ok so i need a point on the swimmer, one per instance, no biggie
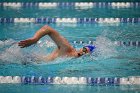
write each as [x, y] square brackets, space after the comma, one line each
[64, 49]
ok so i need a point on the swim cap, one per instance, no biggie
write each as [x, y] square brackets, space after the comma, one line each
[91, 47]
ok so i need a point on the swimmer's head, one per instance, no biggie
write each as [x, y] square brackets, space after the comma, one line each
[86, 50]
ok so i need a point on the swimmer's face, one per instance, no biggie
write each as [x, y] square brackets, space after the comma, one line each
[83, 51]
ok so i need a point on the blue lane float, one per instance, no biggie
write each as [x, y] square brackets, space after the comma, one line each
[130, 43]
[70, 20]
[6, 20]
[118, 43]
[45, 20]
[132, 80]
[72, 4]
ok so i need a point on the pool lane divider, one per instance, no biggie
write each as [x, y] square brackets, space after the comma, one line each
[133, 80]
[70, 20]
[71, 4]
[118, 43]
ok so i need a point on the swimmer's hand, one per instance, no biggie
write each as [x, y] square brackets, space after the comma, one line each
[26, 43]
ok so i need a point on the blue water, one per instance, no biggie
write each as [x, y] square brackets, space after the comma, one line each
[124, 59]
[5, 88]
[109, 60]
[114, 61]
[102, 12]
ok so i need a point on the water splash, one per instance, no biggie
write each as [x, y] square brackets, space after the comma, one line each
[10, 52]
[105, 48]
[6, 43]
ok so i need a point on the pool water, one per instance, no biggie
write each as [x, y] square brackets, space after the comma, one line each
[124, 59]
[67, 88]
[70, 12]
[108, 60]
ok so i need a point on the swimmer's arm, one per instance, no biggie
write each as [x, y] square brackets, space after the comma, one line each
[46, 30]
[40, 33]
[49, 57]
[42, 58]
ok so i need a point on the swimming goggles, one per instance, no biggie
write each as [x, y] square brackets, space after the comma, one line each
[85, 50]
